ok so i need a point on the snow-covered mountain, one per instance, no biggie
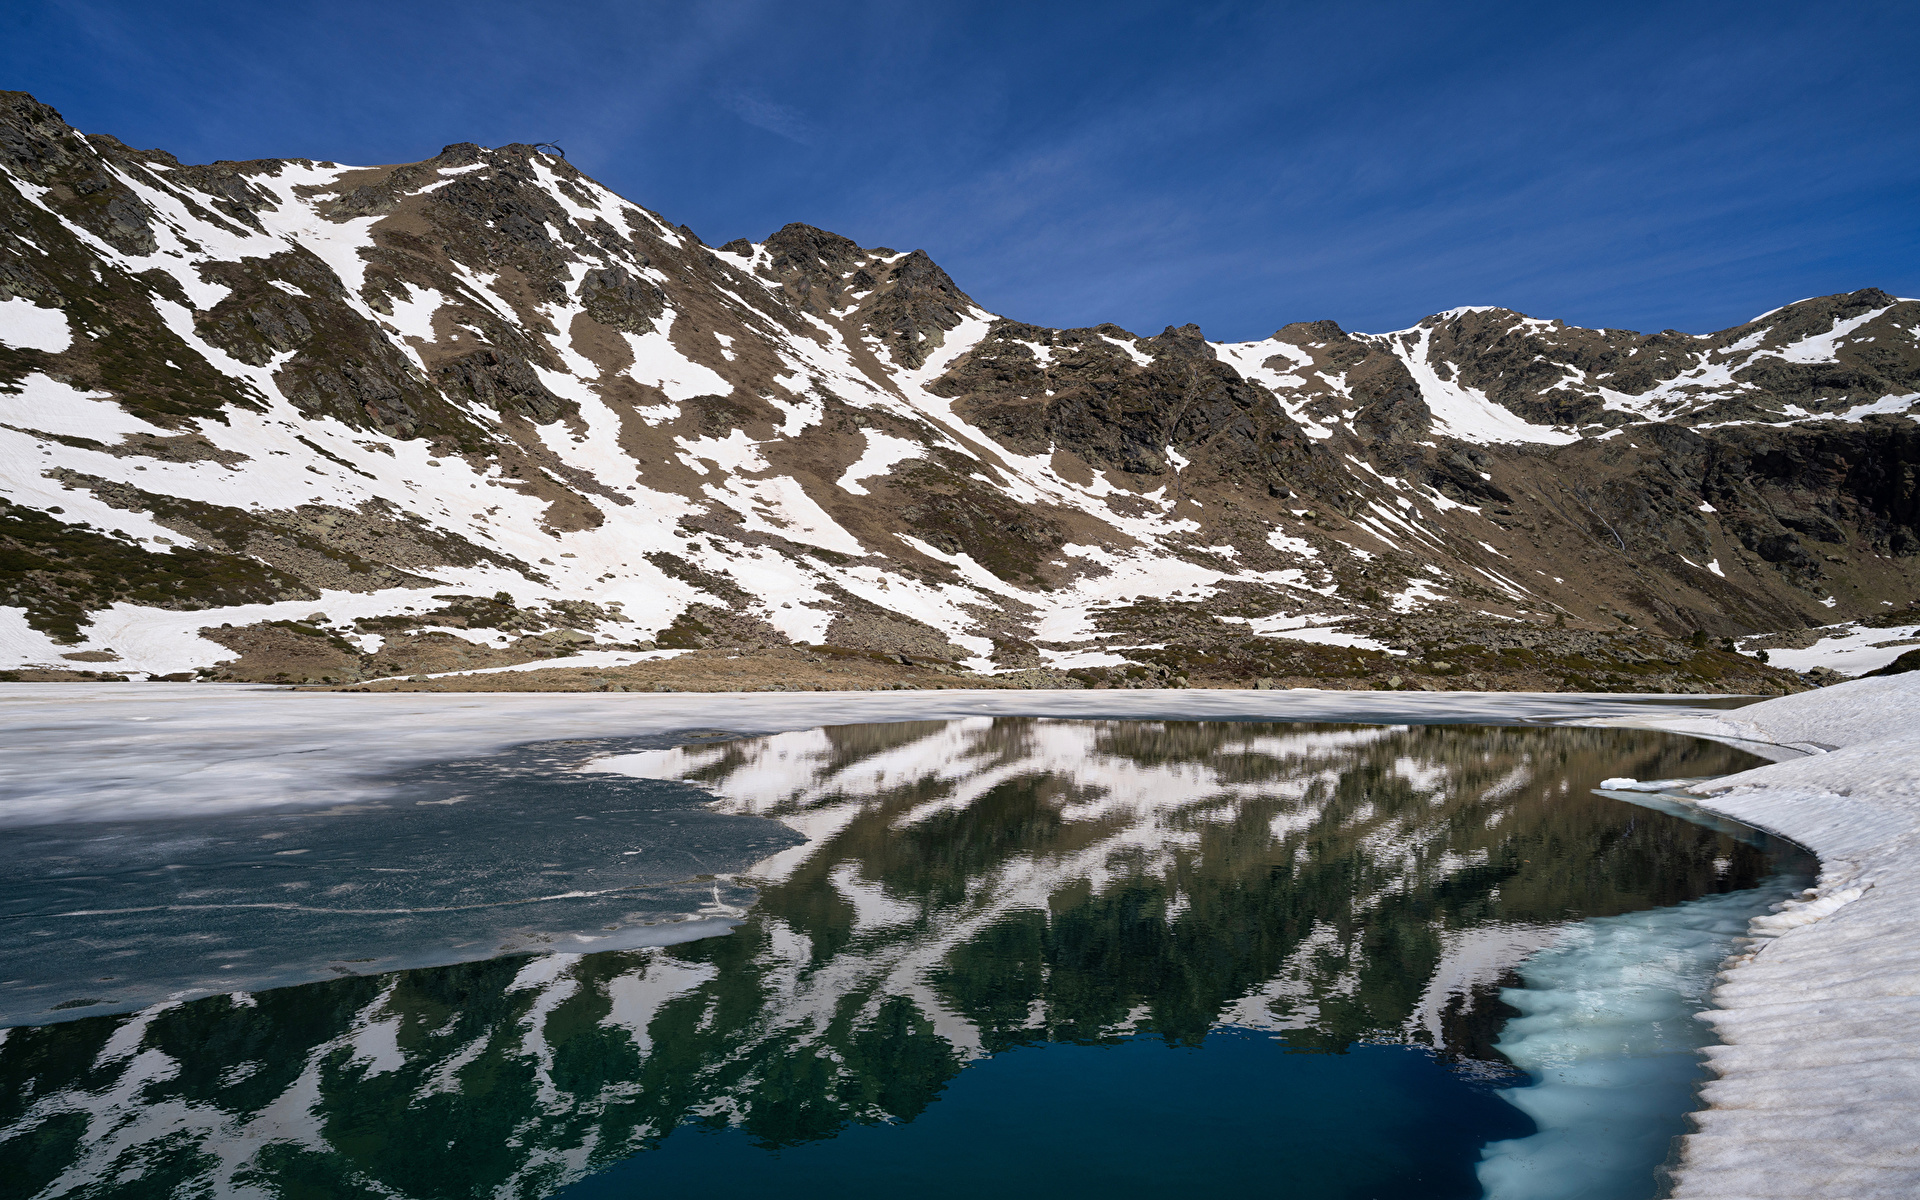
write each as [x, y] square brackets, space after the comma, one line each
[480, 410]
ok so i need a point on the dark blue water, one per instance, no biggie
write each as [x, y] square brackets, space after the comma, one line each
[1241, 1115]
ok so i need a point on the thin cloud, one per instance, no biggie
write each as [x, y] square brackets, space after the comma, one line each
[780, 119]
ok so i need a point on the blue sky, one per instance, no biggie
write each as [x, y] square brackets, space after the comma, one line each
[1646, 166]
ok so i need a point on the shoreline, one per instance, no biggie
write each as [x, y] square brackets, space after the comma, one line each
[1815, 1076]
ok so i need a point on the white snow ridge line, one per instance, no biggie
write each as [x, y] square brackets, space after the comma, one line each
[1819, 1072]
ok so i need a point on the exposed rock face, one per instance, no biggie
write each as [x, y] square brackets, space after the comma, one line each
[618, 300]
[266, 386]
[903, 300]
[816, 268]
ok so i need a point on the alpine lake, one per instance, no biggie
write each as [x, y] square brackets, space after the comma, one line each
[1015, 957]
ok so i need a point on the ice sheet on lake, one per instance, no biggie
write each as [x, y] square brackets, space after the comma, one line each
[460, 861]
[110, 751]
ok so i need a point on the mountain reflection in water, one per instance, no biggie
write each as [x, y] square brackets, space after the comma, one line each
[966, 888]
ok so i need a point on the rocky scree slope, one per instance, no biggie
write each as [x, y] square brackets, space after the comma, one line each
[296, 420]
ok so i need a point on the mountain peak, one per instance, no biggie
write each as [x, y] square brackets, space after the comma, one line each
[1300, 333]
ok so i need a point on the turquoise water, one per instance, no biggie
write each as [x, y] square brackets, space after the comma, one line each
[1021, 956]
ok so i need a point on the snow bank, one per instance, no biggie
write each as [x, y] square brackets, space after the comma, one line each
[1819, 1073]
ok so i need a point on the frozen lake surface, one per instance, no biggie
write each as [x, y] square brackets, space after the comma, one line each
[101, 751]
[1227, 929]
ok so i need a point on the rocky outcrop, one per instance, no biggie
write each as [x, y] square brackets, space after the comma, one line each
[1085, 391]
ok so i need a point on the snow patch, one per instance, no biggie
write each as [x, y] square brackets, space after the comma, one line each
[24, 325]
[1848, 649]
[1825, 347]
[658, 364]
[882, 454]
[1463, 412]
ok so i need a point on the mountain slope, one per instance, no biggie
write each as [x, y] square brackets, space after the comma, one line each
[294, 419]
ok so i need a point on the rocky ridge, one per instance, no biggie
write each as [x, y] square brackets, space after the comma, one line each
[295, 420]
